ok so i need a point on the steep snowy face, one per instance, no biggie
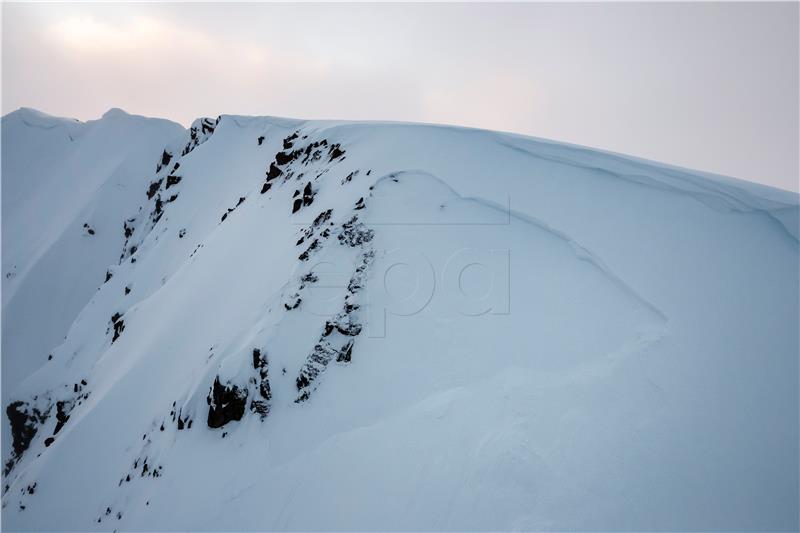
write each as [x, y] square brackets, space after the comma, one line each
[332, 325]
[65, 184]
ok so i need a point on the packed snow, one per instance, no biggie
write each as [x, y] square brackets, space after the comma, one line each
[261, 323]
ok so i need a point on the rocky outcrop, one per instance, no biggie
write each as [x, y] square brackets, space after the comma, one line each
[226, 403]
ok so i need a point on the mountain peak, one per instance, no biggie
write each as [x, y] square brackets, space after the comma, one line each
[115, 112]
[370, 326]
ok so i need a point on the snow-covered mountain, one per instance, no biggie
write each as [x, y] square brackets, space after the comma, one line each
[273, 324]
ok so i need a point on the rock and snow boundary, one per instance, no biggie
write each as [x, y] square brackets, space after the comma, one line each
[274, 324]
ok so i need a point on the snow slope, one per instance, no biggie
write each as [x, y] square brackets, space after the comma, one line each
[367, 326]
[58, 175]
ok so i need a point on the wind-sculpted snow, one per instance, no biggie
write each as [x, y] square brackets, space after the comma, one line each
[305, 325]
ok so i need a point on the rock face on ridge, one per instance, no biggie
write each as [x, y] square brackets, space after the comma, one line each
[342, 325]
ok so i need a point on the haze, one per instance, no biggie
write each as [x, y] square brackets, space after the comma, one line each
[712, 87]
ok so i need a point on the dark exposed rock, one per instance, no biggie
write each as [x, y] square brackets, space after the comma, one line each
[182, 233]
[360, 204]
[335, 151]
[63, 409]
[288, 141]
[261, 363]
[322, 217]
[266, 187]
[166, 157]
[260, 407]
[355, 233]
[127, 290]
[24, 421]
[349, 177]
[298, 203]
[283, 158]
[158, 210]
[260, 140]
[273, 172]
[153, 189]
[172, 180]
[226, 403]
[316, 362]
[350, 329]
[198, 134]
[308, 194]
[313, 246]
[345, 353]
[109, 275]
[257, 362]
[119, 326]
[309, 278]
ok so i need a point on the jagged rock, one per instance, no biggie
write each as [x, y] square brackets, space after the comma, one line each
[199, 133]
[335, 151]
[153, 189]
[24, 421]
[63, 409]
[273, 172]
[313, 246]
[289, 141]
[345, 354]
[309, 278]
[355, 233]
[349, 177]
[226, 403]
[283, 158]
[261, 363]
[166, 157]
[308, 194]
[349, 329]
[298, 203]
[260, 140]
[119, 326]
[323, 217]
[172, 180]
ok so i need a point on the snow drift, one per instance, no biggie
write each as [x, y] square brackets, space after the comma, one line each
[271, 324]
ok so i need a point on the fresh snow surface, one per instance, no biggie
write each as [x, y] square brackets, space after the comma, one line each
[456, 330]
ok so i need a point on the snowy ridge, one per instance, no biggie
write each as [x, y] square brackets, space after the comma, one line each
[285, 324]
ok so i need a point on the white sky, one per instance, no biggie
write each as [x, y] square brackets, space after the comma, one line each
[707, 86]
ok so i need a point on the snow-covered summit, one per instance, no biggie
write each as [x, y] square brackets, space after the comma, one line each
[265, 323]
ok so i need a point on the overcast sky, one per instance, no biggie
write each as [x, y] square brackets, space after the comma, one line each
[707, 86]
